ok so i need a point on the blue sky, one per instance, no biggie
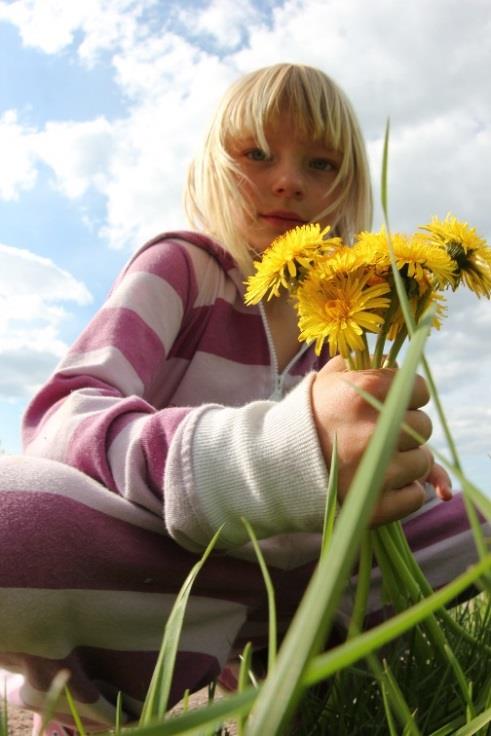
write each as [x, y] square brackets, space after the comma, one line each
[102, 104]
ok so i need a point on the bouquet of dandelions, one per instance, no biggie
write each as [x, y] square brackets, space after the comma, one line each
[341, 293]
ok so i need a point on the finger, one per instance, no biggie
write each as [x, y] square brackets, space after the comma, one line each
[441, 481]
[396, 504]
[420, 394]
[335, 365]
[420, 422]
[407, 467]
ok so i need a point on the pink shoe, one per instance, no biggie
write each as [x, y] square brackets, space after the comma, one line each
[228, 678]
[53, 728]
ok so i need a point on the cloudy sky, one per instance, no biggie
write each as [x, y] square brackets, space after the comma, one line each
[102, 104]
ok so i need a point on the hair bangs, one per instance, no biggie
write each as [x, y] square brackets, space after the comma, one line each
[310, 100]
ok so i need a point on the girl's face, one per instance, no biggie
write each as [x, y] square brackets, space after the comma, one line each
[288, 186]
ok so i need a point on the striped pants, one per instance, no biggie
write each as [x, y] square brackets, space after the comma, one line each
[87, 580]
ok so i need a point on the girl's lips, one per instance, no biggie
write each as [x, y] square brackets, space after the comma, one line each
[282, 219]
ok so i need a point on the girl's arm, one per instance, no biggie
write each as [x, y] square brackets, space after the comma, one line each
[270, 459]
[97, 412]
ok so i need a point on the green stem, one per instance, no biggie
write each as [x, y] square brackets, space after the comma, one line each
[379, 348]
[469, 507]
[272, 628]
[365, 354]
[243, 681]
[363, 586]
[331, 500]
[396, 346]
[378, 353]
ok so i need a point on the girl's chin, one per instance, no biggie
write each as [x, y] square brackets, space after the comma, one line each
[259, 243]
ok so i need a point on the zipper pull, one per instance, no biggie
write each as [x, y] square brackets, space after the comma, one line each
[277, 394]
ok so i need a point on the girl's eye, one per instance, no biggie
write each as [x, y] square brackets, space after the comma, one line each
[256, 154]
[323, 164]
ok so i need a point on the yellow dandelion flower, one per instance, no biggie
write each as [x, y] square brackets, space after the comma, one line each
[340, 310]
[469, 252]
[423, 261]
[286, 260]
[373, 247]
[417, 306]
[341, 261]
[437, 299]
[415, 259]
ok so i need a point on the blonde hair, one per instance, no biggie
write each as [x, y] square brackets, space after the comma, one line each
[318, 109]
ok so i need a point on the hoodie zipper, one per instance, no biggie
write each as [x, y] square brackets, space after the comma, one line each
[278, 379]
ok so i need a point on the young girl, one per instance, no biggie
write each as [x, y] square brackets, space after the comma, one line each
[180, 409]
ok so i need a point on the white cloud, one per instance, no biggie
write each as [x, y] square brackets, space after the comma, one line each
[26, 273]
[460, 361]
[403, 59]
[52, 25]
[436, 165]
[78, 154]
[154, 145]
[32, 290]
[17, 168]
[226, 22]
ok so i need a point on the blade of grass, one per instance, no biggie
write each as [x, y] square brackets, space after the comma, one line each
[245, 667]
[394, 695]
[73, 710]
[4, 716]
[157, 697]
[307, 633]
[119, 714]
[363, 586]
[331, 500]
[388, 713]
[185, 700]
[471, 512]
[474, 726]
[384, 189]
[53, 697]
[398, 283]
[272, 634]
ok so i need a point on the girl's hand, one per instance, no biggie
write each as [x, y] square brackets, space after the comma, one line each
[339, 410]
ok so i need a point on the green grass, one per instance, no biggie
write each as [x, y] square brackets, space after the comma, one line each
[351, 704]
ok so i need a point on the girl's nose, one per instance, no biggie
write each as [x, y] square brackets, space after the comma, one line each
[288, 182]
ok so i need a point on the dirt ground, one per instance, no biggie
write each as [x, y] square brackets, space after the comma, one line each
[20, 721]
